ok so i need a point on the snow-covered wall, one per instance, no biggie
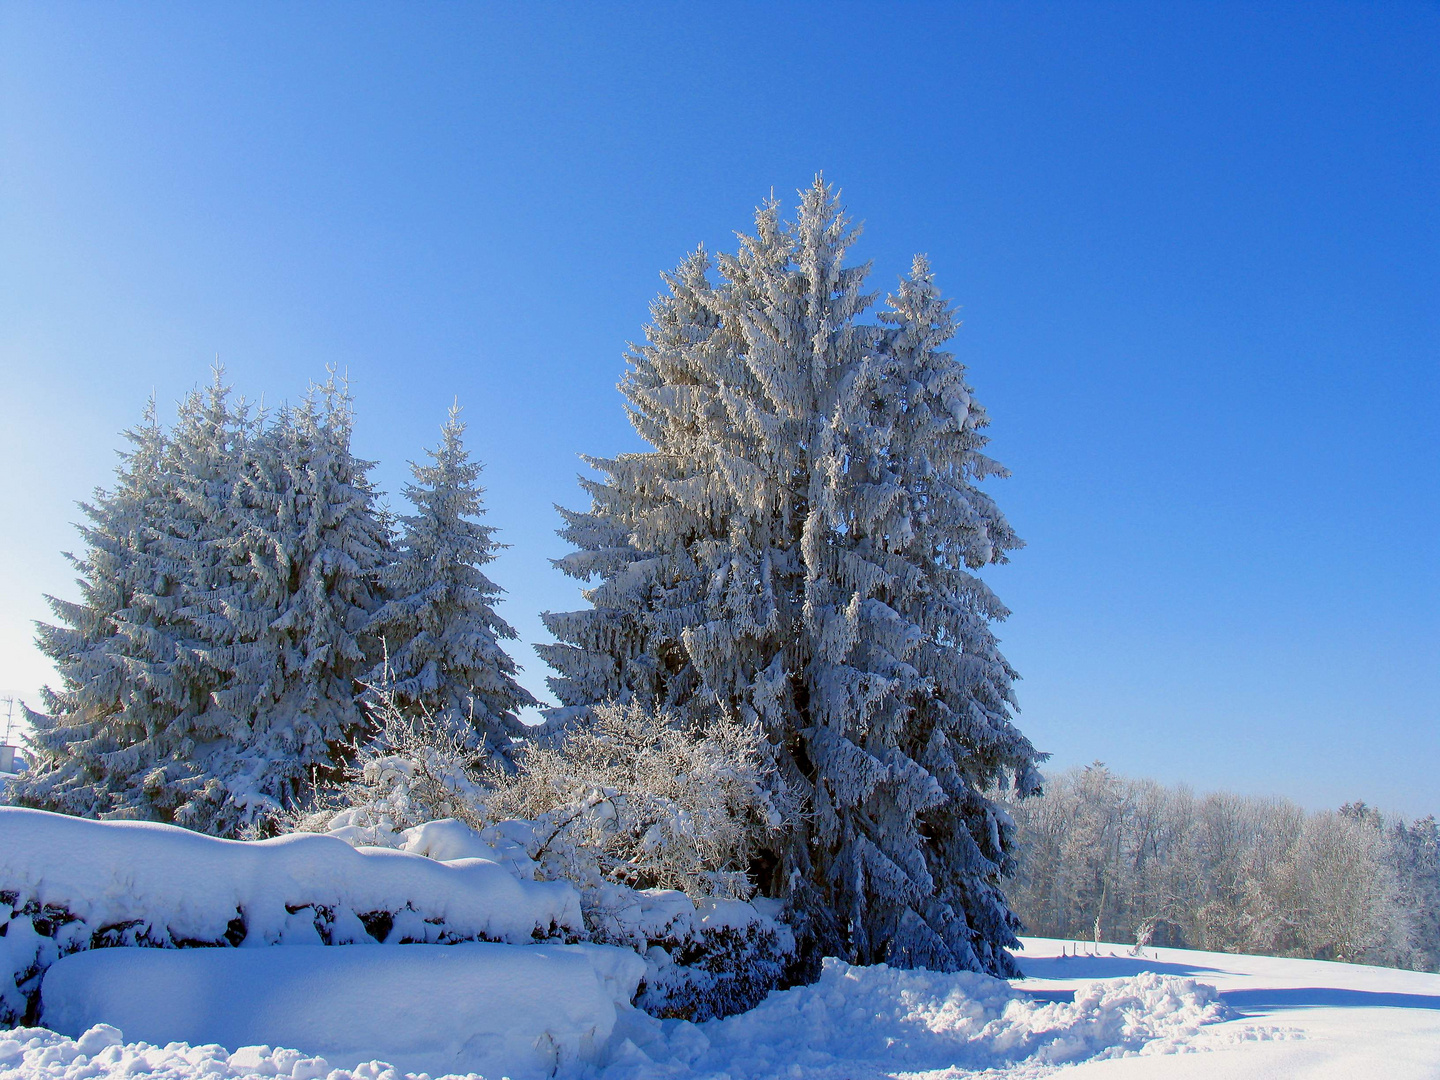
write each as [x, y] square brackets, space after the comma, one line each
[68, 884]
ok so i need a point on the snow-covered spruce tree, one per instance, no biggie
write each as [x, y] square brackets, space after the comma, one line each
[443, 657]
[290, 631]
[165, 637]
[149, 761]
[75, 739]
[210, 671]
[800, 548]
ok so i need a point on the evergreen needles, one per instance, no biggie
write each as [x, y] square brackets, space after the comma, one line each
[799, 549]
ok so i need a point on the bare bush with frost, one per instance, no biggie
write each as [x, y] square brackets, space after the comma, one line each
[416, 768]
[637, 798]
[631, 797]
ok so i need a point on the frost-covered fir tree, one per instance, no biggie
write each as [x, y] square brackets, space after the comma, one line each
[441, 634]
[150, 757]
[169, 722]
[800, 548]
[75, 740]
[291, 630]
[209, 672]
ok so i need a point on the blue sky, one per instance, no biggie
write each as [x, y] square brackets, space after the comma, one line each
[1196, 249]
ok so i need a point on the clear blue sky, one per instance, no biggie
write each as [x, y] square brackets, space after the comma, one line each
[1196, 248]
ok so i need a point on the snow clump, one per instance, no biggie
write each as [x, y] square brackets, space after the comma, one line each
[865, 1023]
[854, 1024]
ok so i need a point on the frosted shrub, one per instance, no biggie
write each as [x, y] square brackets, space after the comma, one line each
[630, 798]
[632, 805]
[653, 822]
[636, 799]
[416, 768]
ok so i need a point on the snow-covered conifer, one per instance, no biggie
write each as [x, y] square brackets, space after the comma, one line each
[313, 542]
[800, 548]
[443, 656]
[75, 738]
[169, 633]
[151, 755]
[209, 671]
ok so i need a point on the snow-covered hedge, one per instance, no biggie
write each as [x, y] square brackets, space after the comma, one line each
[651, 822]
[705, 957]
[68, 884]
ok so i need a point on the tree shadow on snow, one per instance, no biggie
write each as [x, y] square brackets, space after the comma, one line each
[1105, 967]
[1318, 997]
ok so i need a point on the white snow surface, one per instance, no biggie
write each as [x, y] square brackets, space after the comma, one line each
[533, 1011]
[1291, 1019]
[525, 1011]
[859, 1023]
[1156, 1016]
[109, 873]
[520, 1009]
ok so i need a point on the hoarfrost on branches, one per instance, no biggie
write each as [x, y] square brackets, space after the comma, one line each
[798, 550]
[442, 636]
[639, 799]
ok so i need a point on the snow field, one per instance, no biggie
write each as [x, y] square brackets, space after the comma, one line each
[1291, 1019]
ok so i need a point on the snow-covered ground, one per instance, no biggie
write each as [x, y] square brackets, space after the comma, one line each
[1109, 1015]
[1299, 1019]
[450, 957]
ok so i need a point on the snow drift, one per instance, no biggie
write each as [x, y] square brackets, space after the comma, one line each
[864, 1022]
[521, 1011]
[68, 884]
[854, 1024]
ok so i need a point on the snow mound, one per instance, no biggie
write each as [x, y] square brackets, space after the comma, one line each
[854, 1024]
[521, 1011]
[68, 884]
[27, 1053]
[859, 1023]
[107, 873]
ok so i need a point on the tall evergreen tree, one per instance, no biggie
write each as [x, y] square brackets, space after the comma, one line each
[440, 630]
[74, 742]
[800, 548]
[290, 631]
[170, 720]
[210, 671]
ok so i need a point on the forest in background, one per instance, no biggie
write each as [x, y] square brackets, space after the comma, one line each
[1105, 857]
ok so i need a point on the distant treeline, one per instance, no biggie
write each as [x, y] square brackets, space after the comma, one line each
[1104, 857]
